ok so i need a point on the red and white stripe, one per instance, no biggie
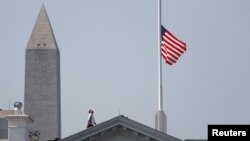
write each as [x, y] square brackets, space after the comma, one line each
[171, 48]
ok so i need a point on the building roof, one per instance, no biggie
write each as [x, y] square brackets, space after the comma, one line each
[121, 125]
[195, 140]
[4, 113]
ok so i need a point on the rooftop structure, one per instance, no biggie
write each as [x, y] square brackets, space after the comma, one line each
[120, 128]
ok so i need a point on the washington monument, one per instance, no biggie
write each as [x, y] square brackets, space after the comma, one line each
[42, 80]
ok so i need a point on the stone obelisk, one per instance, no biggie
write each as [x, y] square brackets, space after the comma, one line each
[42, 80]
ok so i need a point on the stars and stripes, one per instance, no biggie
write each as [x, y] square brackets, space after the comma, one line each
[171, 47]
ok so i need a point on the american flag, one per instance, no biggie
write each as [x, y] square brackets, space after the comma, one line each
[171, 47]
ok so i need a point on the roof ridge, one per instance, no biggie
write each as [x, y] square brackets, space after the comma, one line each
[123, 121]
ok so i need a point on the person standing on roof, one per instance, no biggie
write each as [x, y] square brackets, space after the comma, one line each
[91, 119]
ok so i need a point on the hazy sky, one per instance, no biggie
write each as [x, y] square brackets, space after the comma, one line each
[109, 60]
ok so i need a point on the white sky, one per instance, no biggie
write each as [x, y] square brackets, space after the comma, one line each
[109, 60]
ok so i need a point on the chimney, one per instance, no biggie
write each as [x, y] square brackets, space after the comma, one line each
[18, 124]
[18, 108]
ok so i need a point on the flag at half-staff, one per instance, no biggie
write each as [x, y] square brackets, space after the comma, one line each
[171, 47]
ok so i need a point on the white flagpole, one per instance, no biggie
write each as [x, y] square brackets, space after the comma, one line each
[160, 106]
[160, 118]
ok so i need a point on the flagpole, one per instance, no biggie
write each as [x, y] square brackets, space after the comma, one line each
[160, 118]
[160, 102]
